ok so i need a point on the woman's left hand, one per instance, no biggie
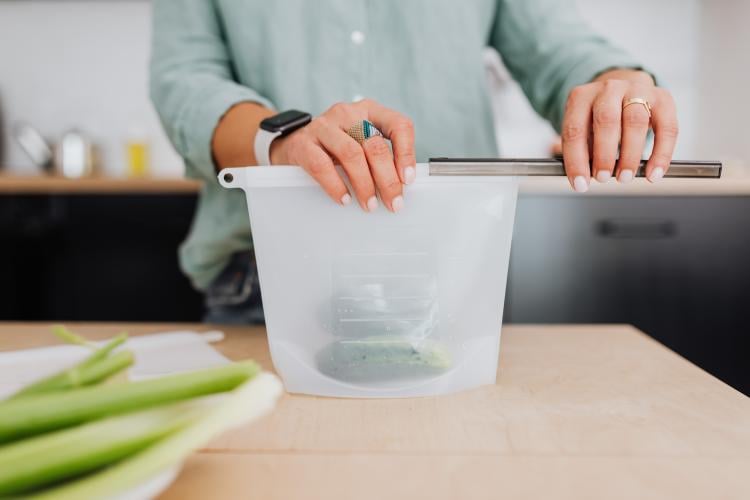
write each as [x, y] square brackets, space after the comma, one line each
[596, 123]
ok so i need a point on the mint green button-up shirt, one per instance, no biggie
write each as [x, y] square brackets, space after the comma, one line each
[421, 57]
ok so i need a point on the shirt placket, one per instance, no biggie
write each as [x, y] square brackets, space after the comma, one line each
[357, 39]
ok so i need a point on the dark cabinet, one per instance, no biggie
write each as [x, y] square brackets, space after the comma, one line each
[95, 258]
[676, 267]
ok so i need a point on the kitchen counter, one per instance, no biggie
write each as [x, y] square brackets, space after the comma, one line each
[726, 186]
[729, 185]
[48, 184]
[735, 181]
[592, 411]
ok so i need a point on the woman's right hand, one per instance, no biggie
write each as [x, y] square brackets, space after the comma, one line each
[370, 167]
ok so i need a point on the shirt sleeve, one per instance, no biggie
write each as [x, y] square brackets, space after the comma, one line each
[549, 49]
[191, 79]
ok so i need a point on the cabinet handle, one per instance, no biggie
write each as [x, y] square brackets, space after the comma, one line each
[640, 229]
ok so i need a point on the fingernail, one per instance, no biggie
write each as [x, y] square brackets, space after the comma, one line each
[372, 204]
[397, 204]
[656, 174]
[626, 176]
[603, 175]
[580, 184]
[346, 199]
[409, 174]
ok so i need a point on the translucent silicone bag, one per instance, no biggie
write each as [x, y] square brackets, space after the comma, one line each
[379, 304]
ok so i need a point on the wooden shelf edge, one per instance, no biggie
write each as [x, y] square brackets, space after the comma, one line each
[19, 184]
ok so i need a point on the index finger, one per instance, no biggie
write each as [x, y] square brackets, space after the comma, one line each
[399, 129]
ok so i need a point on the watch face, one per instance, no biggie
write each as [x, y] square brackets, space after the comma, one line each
[286, 121]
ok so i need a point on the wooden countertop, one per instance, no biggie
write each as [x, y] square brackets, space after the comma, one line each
[556, 186]
[577, 412]
[726, 186]
[735, 181]
[30, 184]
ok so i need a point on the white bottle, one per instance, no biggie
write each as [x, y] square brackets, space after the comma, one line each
[74, 155]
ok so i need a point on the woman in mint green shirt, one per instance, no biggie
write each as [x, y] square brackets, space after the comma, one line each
[413, 68]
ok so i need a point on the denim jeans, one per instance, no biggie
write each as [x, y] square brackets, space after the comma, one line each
[234, 296]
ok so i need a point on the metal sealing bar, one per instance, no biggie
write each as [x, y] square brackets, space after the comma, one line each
[531, 167]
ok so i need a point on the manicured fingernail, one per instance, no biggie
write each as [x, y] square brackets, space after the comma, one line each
[372, 204]
[603, 175]
[397, 204]
[580, 184]
[409, 174]
[346, 199]
[656, 174]
[626, 176]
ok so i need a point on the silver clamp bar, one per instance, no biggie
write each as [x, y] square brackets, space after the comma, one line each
[530, 167]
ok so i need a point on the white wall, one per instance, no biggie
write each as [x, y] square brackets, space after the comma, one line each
[80, 64]
[84, 63]
[660, 33]
[724, 83]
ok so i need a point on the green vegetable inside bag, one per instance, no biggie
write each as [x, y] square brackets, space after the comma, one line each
[383, 359]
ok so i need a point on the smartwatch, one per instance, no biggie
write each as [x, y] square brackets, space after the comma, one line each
[276, 126]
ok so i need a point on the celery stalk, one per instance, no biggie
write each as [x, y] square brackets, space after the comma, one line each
[39, 461]
[41, 413]
[246, 403]
[90, 371]
[71, 338]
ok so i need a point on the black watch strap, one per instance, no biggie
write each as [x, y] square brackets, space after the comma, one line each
[276, 126]
[286, 122]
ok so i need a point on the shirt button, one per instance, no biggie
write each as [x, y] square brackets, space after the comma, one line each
[357, 98]
[358, 37]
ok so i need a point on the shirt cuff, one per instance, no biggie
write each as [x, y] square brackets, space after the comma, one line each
[201, 121]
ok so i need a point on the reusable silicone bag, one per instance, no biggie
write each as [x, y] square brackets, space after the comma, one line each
[379, 304]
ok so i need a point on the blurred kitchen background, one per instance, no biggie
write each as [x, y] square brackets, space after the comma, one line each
[672, 261]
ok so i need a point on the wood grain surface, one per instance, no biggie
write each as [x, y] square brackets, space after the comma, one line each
[596, 411]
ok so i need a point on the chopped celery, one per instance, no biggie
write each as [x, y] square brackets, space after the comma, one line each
[90, 371]
[246, 403]
[71, 439]
[379, 359]
[71, 338]
[31, 415]
[33, 463]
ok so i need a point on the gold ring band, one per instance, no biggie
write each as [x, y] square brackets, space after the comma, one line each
[638, 100]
